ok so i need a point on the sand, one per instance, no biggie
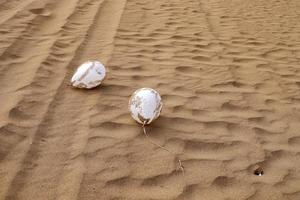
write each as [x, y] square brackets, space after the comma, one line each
[228, 72]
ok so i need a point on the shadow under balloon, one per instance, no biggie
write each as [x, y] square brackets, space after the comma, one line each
[106, 89]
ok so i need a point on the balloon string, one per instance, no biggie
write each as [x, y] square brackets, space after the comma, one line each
[160, 146]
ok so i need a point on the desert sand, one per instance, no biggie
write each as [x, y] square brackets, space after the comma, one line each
[228, 72]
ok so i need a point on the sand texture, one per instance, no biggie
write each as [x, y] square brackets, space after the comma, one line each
[228, 72]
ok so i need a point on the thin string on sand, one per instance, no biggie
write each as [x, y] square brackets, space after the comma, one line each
[158, 145]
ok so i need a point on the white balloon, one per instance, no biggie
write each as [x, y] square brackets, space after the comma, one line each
[145, 105]
[88, 75]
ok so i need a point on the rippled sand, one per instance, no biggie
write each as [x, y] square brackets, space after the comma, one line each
[228, 72]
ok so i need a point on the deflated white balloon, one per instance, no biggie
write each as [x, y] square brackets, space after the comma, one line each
[88, 75]
[145, 105]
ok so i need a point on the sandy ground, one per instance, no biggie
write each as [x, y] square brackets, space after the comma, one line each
[228, 72]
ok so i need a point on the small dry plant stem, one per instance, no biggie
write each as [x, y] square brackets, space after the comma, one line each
[164, 148]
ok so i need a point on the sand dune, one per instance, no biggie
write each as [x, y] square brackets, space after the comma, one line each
[228, 73]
